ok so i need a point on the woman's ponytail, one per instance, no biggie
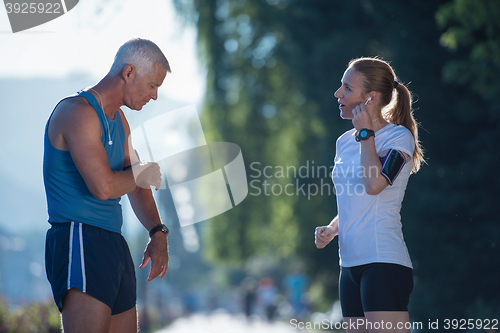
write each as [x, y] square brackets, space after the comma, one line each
[402, 114]
[380, 77]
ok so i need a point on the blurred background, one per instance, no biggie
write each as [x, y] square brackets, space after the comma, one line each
[262, 74]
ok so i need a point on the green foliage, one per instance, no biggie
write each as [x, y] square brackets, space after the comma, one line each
[473, 27]
[254, 101]
[272, 68]
[33, 318]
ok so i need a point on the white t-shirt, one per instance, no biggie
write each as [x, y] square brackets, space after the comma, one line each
[370, 227]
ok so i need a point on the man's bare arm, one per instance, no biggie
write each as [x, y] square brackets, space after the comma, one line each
[144, 206]
[82, 131]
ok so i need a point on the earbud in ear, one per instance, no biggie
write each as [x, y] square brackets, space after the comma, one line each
[369, 99]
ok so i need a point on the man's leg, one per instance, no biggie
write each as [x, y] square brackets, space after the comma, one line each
[125, 322]
[82, 313]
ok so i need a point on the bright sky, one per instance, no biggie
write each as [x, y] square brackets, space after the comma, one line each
[86, 39]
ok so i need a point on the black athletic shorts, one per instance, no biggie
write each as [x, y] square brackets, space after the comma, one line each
[92, 260]
[374, 287]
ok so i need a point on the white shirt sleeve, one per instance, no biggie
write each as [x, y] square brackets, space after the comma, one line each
[400, 139]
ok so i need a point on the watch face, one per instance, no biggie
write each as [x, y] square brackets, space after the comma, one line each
[363, 134]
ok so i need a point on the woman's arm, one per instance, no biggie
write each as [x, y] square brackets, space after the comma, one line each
[324, 235]
[371, 166]
[370, 162]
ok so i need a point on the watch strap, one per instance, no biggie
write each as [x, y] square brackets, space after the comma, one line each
[369, 133]
[160, 227]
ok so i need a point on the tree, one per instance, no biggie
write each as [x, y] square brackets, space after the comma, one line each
[473, 33]
[272, 69]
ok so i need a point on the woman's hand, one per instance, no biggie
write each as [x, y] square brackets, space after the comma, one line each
[362, 118]
[324, 235]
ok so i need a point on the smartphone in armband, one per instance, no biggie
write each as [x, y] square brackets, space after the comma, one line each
[392, 164]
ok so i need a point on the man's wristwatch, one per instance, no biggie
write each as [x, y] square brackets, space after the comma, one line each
[163, 228]
[364, 134]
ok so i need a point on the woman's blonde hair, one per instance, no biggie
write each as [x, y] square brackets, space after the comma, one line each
[380, 77]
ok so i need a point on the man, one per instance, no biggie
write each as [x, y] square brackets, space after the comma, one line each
[88, 166]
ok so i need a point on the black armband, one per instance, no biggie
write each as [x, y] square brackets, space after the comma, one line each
[392, 164]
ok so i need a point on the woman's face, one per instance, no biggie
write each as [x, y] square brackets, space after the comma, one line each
[350, 94]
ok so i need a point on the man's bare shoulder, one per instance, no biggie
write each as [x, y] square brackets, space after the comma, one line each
[74, 107]
[75, 114]
[73, 117]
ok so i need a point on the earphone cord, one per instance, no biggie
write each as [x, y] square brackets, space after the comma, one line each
[107, 124]
[376, 120]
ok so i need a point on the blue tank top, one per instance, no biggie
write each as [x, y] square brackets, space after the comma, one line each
[68, 197]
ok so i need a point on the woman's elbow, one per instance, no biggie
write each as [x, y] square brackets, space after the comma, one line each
[374, 189]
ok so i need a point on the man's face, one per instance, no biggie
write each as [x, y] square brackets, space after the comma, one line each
[144, 86]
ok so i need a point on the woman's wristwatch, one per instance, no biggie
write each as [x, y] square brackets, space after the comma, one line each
[364, 134]
[163, 228]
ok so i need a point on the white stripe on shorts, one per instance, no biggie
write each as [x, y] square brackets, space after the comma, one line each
[82, 258]
[70, 252]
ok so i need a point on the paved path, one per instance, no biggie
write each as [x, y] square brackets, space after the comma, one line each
[225, 323]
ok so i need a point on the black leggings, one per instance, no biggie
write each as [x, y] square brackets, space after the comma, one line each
[374, 287]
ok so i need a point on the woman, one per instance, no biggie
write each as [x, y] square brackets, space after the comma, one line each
[373, 162]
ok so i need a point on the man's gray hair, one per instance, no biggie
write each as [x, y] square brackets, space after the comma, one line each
[141, 53]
